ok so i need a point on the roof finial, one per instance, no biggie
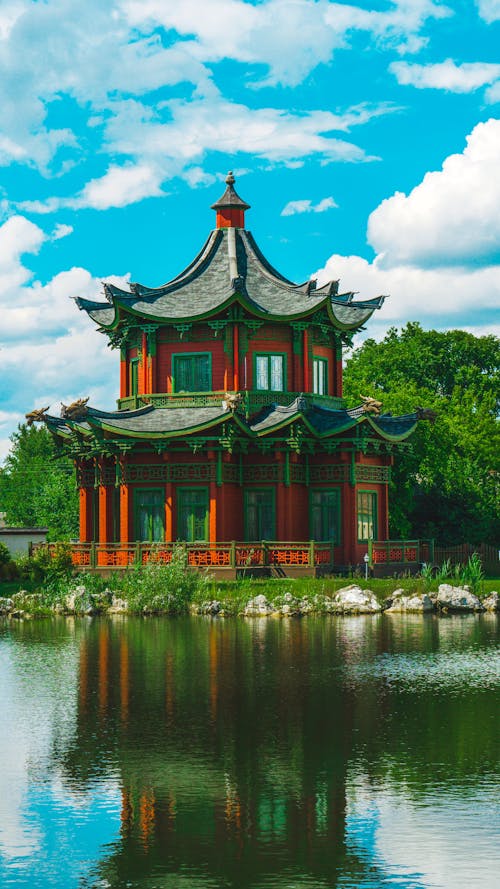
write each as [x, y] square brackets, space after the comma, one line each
[230, 208]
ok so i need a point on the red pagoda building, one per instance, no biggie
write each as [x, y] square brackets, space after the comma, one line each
[231, 433]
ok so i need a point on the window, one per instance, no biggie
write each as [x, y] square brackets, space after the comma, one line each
[192, 372]
[134, 376]
[259, 515]
[192, 514]
[149, 512]
[367, 515]
[270, 372]
[320, 376]
[325, 515]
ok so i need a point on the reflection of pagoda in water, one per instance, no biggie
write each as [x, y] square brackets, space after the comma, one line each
[216, 777]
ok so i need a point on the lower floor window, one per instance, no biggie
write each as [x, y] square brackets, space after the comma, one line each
[260, 515]
[192, 514]
[149, 509]
[367, 515]
[325, 515]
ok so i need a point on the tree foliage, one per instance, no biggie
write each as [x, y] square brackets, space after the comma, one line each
[37, 488]
[447, 484]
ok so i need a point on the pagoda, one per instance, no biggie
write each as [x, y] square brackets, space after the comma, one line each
[230, 433]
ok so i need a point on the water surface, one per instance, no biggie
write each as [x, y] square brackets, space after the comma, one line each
[198, 753]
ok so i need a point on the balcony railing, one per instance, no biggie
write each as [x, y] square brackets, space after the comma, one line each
[400, 552]
[252, 402]
[230, 554]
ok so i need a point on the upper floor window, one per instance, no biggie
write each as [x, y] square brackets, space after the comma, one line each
[320, 376]
[134, 376]
[270, 372]
[192, 372]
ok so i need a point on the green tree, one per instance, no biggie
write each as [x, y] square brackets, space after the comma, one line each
[446, 485]
[37, 488]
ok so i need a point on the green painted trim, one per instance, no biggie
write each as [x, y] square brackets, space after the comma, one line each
[180, 489]
[246, 492]
[133, 377]
[375, 522]
[337, 490]
[191, 355]
[256, 355]
[323, 364]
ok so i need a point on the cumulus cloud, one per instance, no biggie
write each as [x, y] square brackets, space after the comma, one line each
[61, 231]
[489, 10]
[451, 217]
[447, 75]
[307, 206]
[32, 316]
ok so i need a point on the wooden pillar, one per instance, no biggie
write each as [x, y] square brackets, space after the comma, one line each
[105, 511]
[338, 369]
[307, 386]
[281, 498]
[125, 513]
[85, 534]
[236, 358]
[145, 374]
[123, 373]
[153, 363]
[212, 496]
[169, 512]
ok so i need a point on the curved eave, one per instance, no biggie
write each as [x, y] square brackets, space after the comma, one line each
[390, 436]
[147, 435]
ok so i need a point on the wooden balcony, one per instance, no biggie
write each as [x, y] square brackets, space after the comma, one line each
[252, 402]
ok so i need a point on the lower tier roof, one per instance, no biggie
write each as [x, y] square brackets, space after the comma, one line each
[152, 423]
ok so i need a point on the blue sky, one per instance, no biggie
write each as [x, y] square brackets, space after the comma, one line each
[366, 137]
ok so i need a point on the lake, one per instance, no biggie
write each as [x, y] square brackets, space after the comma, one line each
[201, 753]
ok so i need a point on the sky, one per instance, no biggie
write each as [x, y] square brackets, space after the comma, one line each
[365, 136]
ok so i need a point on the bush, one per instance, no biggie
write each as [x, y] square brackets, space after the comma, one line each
[157, 587]
[45, 566]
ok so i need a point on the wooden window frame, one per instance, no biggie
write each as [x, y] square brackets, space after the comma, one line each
[200, 354]
[322, 364]
[338, 496]
[246, 493]
[374, 495]
[270, 355]
[180, 489]
[140, 490]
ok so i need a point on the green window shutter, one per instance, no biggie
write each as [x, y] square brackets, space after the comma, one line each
[260, 515]
[270, 372]
[261, 366]
[325, 515]
[192, 373]
[149, 508]
[192, 514]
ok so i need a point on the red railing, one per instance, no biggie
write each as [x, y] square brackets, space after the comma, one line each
[400, 552]
[201, 555]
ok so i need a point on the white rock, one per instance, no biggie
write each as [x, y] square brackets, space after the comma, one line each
[118, 606]
[354, 600]
[258, 606]
[492, 602]
[6, 605]
[410, 604]
[457, 598]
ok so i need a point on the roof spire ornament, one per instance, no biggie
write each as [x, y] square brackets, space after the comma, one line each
[230, 209]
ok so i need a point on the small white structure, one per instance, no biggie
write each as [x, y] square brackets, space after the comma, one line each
[20, 540]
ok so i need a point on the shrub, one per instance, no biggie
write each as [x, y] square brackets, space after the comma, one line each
[157, 587]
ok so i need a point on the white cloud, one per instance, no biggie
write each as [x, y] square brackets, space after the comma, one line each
[121, 186]
[61, 231]
[447, 75]
[34, 315]
[451, 217]
[489, 10]
[307, 206]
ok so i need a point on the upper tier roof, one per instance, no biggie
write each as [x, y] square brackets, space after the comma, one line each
[229, 269]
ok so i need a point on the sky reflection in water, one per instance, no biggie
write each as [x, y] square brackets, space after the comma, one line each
[358, 752]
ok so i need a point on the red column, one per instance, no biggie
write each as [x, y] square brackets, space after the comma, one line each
[236, 358]
[85, 515]
[281, 498]
[125, 513]
[123, 375]
[105, 513]
[169, 512]
[307, 387]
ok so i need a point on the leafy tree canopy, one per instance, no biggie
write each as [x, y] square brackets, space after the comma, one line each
[447, 485]
[37, 489]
